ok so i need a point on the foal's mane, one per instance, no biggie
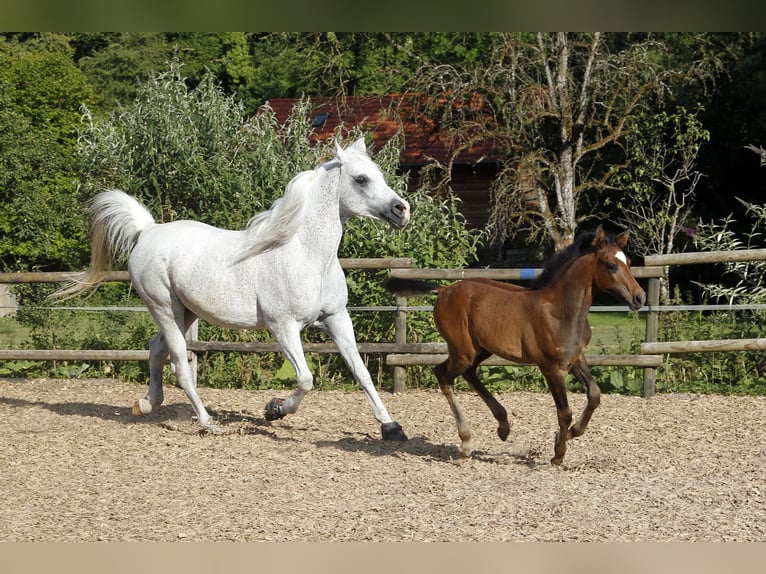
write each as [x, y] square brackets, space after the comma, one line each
[277, 225]
[553, 267]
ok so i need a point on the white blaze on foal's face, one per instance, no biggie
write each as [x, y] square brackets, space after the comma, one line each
[620, 256]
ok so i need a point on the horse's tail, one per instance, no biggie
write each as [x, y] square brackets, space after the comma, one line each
[117, 219]
[410, 287]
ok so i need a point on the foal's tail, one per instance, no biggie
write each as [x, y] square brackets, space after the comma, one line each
[117, 219]
[410, 287]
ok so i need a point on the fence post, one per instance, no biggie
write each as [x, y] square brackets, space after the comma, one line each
[652, 330]
[400, 336]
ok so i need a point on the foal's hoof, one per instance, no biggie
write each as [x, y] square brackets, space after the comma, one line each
[393, 431]
[274, 410]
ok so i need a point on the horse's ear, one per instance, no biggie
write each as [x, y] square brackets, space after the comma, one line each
[359, 145]
[340, 152]
[622, 239]
[599, 239]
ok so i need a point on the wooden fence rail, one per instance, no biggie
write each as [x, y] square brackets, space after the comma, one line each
[400, 353]
[651, 345]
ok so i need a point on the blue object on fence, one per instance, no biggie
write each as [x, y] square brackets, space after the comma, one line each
[528, 273]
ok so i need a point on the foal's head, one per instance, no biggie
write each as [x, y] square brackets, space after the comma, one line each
[612, 273]
[611, 266]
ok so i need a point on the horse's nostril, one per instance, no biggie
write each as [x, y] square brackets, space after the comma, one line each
[400, 212]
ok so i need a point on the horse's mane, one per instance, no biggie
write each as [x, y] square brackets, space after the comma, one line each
[275, 227]
[555, 265]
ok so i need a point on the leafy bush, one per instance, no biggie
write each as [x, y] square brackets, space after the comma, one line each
[724, 373]
[742, 283]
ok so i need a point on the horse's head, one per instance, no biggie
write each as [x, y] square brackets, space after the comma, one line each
[363, 190]
[613, 274]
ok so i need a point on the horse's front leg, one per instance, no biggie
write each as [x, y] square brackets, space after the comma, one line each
[288, 335]
[556, 379]
[582, 373]
[341, 330]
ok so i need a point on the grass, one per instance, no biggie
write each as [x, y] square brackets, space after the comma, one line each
[12, 335]
[616, 332]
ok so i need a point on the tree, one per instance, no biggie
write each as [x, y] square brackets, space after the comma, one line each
[340, 64]
[40, 94]
[117, 63]
[721, 235]
[735, 116]
[556, 108]
[190, 153]
[658, 185]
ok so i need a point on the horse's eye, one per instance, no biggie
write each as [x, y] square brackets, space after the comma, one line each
[611, 267]
[361, 179]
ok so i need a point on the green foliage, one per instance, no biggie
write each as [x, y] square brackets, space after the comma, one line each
[40, 93]
[657, 187]
[747, 279]
[742, 283]
[724, 373]
[114, 61]
[292, 64]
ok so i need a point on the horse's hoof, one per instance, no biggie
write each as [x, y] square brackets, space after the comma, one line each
[274, 410]
[393, 431]
[142, 407]
[210, 428]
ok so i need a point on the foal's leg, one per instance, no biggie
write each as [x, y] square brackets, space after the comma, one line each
[341, 329]
[581, 371]
[446, 373]
[498, 411]
[556, 379]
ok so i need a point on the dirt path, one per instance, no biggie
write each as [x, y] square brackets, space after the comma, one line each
[77, 466]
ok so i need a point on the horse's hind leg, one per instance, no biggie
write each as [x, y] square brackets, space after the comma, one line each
[158, 354]
[445, 374]
[498, 411]
[172, 319]
[582, 373]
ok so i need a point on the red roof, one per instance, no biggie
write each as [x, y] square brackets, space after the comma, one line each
[383, 116]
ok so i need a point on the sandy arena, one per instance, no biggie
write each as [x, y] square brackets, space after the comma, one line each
[77, 466]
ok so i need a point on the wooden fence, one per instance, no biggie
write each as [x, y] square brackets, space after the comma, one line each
[400, 353]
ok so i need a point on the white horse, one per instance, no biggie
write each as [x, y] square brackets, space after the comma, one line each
[280, 273]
